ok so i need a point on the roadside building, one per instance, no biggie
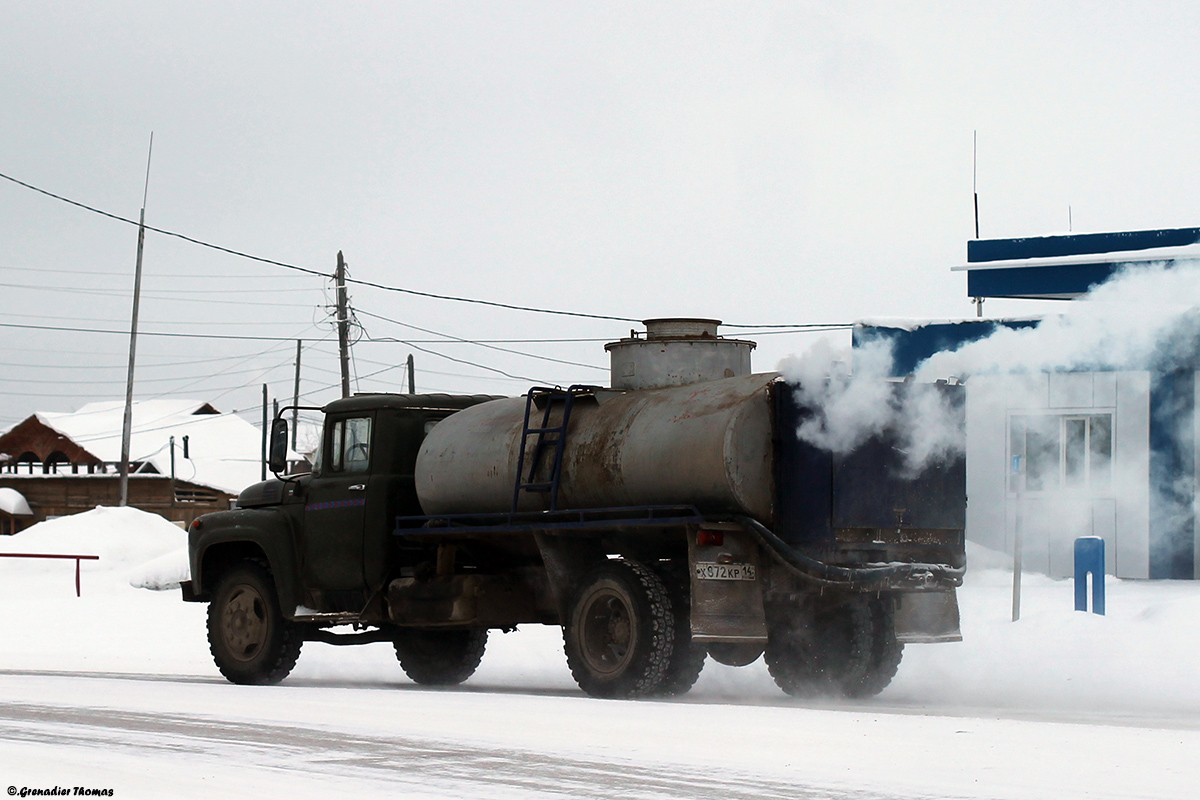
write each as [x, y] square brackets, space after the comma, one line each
[186, 459]
[1079, 450]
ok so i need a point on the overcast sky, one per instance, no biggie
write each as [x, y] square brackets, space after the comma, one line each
[756, 162]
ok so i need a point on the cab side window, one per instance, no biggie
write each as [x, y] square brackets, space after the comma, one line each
[350, 445]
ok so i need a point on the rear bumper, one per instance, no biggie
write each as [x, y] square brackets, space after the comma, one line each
[892, 576]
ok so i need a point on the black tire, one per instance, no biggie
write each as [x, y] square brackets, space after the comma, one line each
[440, 657]
[687, 657]
[886, 651]
[248, 636]
[620, 631]
[819, 648]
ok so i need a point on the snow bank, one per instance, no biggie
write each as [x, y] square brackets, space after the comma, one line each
[124, 538]
[163, 573]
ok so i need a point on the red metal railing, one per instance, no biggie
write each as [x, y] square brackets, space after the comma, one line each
[56, 555]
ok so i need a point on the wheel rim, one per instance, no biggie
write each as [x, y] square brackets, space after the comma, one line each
[609, 632]
[245, 623]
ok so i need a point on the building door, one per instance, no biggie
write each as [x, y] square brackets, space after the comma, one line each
[1064, 487]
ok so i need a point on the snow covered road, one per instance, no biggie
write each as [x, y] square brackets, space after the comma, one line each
[163, 735]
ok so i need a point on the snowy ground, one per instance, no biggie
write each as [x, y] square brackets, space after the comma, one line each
[116, 690]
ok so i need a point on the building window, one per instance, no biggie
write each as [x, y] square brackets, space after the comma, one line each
[1061, 451]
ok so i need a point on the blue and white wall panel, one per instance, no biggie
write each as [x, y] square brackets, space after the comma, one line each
[1116, 509]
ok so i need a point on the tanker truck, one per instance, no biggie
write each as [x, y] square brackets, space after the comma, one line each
[672, 516]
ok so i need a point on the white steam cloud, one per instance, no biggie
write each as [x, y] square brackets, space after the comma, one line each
[1144, 321]
[852, 404]
[1144, 318]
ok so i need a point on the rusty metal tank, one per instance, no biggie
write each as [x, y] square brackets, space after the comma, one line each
[674, 352]
[707, 443]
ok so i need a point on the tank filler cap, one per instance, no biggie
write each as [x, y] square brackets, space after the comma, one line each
[680, 327]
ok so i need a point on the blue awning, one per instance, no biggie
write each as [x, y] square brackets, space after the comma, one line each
[1067, 266]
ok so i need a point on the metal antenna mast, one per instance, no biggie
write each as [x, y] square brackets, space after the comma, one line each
[127, 426]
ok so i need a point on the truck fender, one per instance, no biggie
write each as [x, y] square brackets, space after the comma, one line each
[219, 540]
[567, 559]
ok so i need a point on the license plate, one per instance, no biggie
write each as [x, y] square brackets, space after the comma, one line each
[725, 572]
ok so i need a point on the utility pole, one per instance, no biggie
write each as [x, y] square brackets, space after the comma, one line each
[127, 425]
[343, 324]
[296, 396]
[412, 380]
[263, 469]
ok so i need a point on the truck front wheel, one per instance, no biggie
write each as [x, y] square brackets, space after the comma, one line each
[440, 657]
[619, 635]
[250, 640]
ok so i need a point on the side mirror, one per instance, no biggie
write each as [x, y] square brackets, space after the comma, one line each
[277, 460]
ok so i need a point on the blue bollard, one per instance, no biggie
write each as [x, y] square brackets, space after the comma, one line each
[1089, 557]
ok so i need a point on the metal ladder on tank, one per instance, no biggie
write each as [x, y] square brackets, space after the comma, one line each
[548, 436]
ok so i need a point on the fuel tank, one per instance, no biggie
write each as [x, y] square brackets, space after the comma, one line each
[707, 444]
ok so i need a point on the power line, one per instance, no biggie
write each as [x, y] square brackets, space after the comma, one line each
[815, 329]
[95, 321]
[105, 274]
[471, 363]
[829, 325]
[474, 342]
[158, 333]
[98, 381]
[239, 357]
[305, 270]
[157, 294]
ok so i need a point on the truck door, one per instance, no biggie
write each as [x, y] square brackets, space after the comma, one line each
[334, 509]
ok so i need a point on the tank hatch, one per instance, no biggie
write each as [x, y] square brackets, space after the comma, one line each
[676, 351]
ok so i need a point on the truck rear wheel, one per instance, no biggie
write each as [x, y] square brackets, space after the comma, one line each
[440, 657]
[687, 657]
[248, 636]
[820, 649]
[886, 651]
[620, 631]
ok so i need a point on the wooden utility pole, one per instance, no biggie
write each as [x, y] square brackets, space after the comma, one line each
[296, 396]
[127, 424]
[412, 380]
[343, 324]
[266, 426]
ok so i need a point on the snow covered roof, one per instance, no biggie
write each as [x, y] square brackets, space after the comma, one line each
[224, 450]
[14, 503]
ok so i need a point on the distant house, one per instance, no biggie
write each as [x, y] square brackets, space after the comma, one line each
[186, 459]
